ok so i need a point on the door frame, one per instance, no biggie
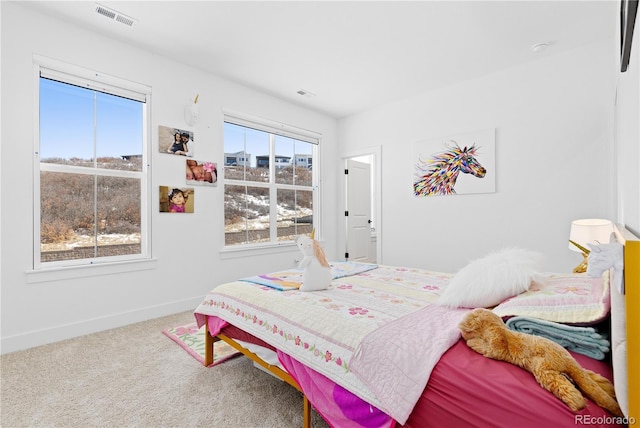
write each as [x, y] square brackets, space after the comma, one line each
[376, 186]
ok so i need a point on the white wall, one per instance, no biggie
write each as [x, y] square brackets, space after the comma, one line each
[187, 249]
[554, 161]
[628, 140]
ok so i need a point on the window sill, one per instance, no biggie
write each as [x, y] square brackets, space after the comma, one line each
[71, 272]
[258, 250]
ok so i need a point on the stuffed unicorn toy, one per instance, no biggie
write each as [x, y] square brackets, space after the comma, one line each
[317, 272]
[607, 256]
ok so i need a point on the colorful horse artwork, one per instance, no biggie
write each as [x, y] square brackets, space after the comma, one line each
[438, 175]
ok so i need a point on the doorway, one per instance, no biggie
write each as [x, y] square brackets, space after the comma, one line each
[362, 202]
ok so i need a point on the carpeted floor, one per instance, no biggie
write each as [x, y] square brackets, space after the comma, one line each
[136, 376]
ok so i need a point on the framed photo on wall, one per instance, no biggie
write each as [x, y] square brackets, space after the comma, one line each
[201, 173]
[175, 199]
[175, 141]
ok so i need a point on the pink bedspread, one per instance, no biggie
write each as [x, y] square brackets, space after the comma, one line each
[468, 390]
[379, 360]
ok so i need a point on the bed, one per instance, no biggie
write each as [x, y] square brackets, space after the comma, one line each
[346, 348]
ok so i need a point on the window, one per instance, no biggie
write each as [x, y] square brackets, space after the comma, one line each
[91, 183]
[269, 186]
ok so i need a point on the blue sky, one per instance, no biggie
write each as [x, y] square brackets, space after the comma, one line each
[73, 118]
[67, 123]
[256, 143]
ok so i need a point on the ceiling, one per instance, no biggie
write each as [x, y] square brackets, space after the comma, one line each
[350, 55]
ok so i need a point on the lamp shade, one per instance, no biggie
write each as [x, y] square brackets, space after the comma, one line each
[590, 231]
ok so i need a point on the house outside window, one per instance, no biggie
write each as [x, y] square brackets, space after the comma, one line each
[268, 198]
[91, 175]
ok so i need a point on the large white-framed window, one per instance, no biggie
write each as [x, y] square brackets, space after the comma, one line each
[91, 168]
[270, 183]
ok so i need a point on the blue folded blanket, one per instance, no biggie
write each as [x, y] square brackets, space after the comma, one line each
[584, 340]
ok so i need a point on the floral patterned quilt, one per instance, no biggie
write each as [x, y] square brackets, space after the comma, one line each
[563, 298]
[327, 330]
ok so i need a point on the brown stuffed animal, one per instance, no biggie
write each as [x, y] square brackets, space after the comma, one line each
[551, 364]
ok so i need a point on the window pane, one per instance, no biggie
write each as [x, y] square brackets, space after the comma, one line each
[78, 125]
[284, 153]
[295, 213]
[303, 175]
[68, 229]
[66, 124]
[246, 154]
[293, 161]
[303, 163]
[118, 132]
[66, 216]
[118, 216]
[246, 214]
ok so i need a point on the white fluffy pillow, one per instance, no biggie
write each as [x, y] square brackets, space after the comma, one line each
[487, 281]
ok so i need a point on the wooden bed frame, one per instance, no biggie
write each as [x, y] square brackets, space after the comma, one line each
[632, 301]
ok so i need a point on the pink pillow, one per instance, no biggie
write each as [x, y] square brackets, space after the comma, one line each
[563, 298]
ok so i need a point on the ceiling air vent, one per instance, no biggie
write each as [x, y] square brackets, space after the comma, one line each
[125, 20]
[113, 14]
[106, 12]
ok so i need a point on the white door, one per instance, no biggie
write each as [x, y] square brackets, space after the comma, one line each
[358, 212]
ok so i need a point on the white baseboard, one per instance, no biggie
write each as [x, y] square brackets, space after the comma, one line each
[48, 335]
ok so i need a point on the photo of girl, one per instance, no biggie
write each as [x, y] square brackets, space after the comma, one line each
[201, 173]
[176, 200]
[175, 141]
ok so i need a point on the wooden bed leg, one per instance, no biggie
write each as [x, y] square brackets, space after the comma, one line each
[208, 346]
[306, 414]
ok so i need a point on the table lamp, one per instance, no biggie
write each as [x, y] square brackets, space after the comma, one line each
[588, 231]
